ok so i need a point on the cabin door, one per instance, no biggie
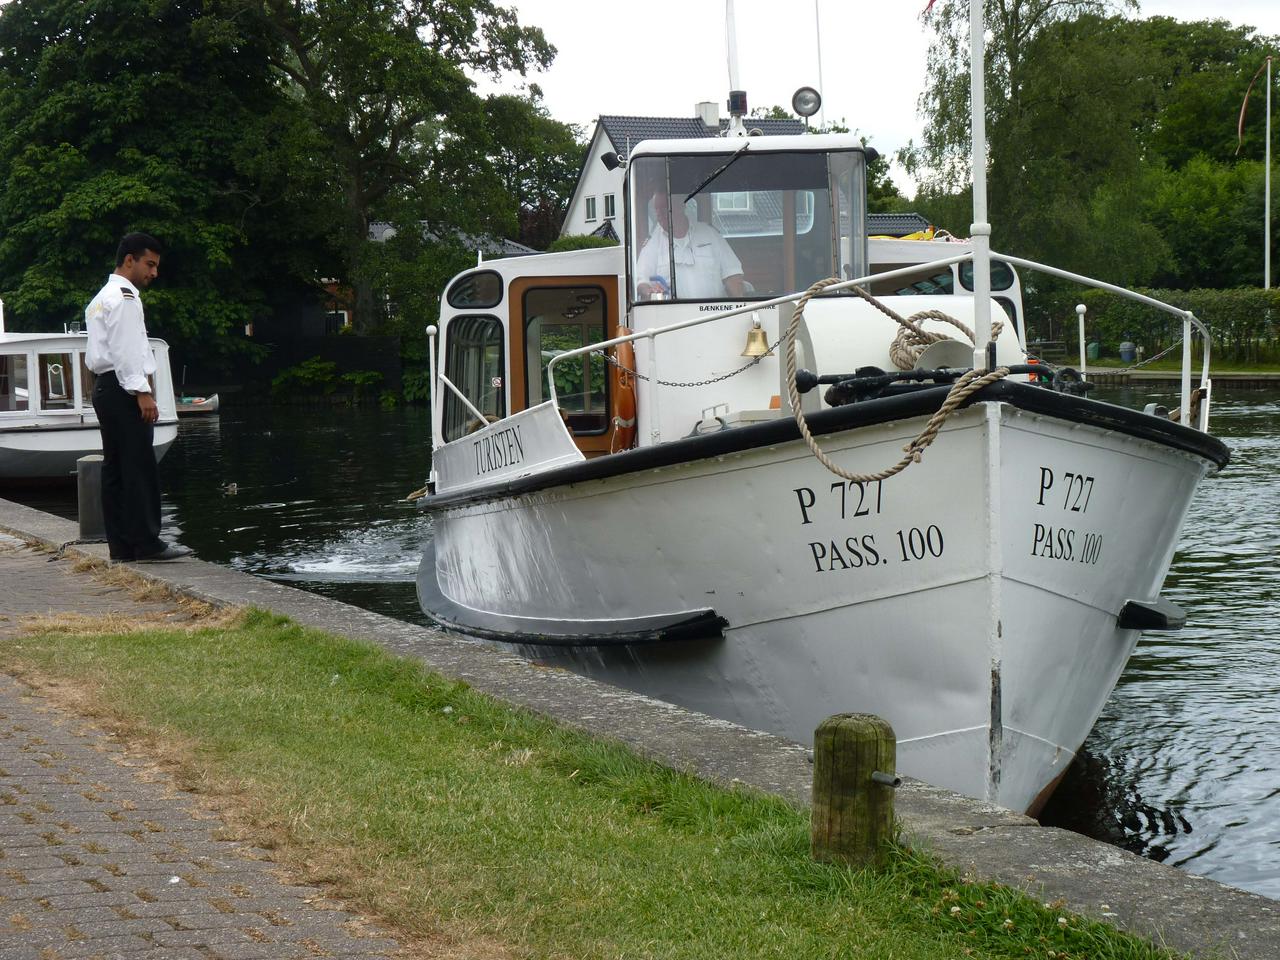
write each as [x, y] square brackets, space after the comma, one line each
[550, 315]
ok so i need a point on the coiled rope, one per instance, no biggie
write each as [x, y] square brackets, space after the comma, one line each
[912, 337]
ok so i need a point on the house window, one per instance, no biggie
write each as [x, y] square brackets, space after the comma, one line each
[336, 320]
[591, 209]
[733, 201]
[609, 210]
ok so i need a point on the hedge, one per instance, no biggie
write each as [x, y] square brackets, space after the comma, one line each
[1244, 322]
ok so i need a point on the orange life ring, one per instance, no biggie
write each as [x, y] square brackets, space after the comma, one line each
[623, 384]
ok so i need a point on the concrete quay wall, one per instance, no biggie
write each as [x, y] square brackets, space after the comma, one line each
[1169, 906]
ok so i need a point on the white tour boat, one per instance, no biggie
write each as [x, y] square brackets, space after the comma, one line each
[619, 488]
[47, 421]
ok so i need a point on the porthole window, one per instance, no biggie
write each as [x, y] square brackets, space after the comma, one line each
[1001, 275]
[480, 289]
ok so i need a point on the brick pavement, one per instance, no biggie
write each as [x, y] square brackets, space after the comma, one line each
[97, 862]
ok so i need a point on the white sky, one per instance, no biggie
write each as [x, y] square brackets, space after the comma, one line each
[660, 57]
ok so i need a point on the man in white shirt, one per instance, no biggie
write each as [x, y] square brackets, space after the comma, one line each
[120, 356]
[706, 268]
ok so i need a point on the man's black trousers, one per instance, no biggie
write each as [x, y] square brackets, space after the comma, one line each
[130, 479]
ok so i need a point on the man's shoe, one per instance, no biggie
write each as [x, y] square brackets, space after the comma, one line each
[171, 552]
[122, 558]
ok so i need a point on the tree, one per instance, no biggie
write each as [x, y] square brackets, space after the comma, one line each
[1204, 70]
[98, 136]
[385, 84]
[536, 159]
[942, 158]
[883, 195]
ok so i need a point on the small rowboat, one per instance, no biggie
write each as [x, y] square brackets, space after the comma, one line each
[193, 405]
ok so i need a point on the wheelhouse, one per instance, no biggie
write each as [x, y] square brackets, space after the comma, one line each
[791, 211]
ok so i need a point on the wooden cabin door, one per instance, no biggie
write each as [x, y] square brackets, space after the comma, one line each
[550, 315]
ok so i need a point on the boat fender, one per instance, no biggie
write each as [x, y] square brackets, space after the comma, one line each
[623, 382]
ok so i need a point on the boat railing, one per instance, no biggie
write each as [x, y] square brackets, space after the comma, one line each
[652, 334]
[1189, 322]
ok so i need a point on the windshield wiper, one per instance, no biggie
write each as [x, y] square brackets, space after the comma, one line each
[715, 173]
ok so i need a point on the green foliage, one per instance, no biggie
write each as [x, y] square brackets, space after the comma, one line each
[1112, 146]
[416, 385]
[536, 159]
[99, 135]
[305, 378]
[1210, 215]
[360, 382]
[582, 241]
[387, 85]
[1244, 323]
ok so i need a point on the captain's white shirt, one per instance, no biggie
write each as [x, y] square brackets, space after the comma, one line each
[118, 335]
[703, 260]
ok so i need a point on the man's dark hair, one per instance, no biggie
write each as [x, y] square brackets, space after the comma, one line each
[135, 245]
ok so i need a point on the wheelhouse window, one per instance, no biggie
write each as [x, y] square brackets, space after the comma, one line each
[474, 362]
[14, 392]
[557, 320]
[745, 223]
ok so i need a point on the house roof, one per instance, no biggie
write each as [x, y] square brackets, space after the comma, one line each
[624, 132]
[605, 230]
[380, 231]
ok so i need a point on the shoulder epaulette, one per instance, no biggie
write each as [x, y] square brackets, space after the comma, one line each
[127, 293]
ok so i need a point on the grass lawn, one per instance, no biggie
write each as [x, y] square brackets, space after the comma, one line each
[476, 830]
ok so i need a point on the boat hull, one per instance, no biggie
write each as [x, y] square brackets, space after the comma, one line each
[50, 452]
[972, 600]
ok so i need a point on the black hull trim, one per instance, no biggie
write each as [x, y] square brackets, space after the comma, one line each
[926, 402]
[689, 625]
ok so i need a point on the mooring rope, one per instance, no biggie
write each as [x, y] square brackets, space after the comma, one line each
[968, 384]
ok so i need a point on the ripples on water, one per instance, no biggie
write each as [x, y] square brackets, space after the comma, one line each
[1183, 766]
[318, 501]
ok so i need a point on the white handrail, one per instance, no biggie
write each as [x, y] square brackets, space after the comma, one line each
[461, 396]
[653, 332]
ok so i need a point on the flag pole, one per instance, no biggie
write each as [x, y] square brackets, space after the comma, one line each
[980, 229]
[1266, 201]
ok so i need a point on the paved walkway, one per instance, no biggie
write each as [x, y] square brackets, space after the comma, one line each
[96, 862]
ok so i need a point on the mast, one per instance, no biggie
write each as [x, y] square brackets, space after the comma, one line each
[737, 96]
[980, 229]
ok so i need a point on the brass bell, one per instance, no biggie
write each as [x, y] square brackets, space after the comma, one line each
[757, 342]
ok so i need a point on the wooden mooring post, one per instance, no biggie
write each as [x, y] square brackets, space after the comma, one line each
[854, 757]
